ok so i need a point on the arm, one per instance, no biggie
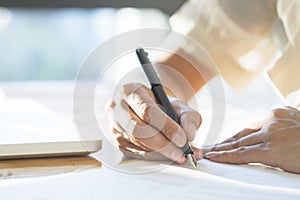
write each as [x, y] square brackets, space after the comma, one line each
[197, 76]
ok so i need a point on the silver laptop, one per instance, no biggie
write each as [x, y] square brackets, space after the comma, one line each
[28, 129]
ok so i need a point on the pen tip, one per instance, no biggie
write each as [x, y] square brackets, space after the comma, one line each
[191, 160]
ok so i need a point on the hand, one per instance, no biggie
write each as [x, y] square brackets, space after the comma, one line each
[144, 131]
[276, 143]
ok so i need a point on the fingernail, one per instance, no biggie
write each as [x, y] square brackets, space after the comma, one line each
[211, 155]
[178, 140]
[177, 156]
[199, 154]
[181, 160]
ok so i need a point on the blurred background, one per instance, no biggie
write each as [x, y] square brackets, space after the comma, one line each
[43, 43]
[48, 40]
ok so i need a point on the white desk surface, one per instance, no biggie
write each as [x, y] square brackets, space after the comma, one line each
[209, 181]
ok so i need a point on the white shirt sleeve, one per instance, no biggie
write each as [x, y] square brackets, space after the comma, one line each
[238, 53]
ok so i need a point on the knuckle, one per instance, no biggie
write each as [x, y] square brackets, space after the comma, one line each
[242, 133]
[148, 111]
[145, 111]
[271, 144]
[278, 112]
[271, 126]
[119, 141]
[124, 105]
[110, 105]
[235, 144]
[135, 128]
[114, 130]
[130, 88]
[222, 154]
[141, 103]
[241, 150]
[177, 103]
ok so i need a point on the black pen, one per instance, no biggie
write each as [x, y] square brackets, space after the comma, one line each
[162, 98]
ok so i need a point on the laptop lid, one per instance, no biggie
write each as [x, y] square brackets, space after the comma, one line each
[28, 129]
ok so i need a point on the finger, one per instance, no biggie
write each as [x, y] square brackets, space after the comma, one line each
[131, 123]
[140, 100]
[205, 149]
[144, 135]
[165, 147]
[114, 126]
[137, 143]
[291, 108]
[125, 143]
[133, 151]
[257, 125]
[295, 113]
[241, 134]
[184, 111]
[168, 152]
[190, 119]
[281, 113]
[143, 155]
[190, 122]
[250, 139]
[120, 132]
[198, 153]
[249, 154]
[110, 105]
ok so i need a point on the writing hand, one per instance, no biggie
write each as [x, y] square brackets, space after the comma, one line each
[144, 131]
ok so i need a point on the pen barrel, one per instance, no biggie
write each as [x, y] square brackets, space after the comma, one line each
[166, 106]
[159, 92]
[163, 100]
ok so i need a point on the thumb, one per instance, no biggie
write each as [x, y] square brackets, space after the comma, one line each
[190, 119]
[190, 122]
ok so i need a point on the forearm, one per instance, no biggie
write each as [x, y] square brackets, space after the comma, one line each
[184, 78]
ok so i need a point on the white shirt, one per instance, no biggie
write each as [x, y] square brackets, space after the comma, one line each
[238, 52]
